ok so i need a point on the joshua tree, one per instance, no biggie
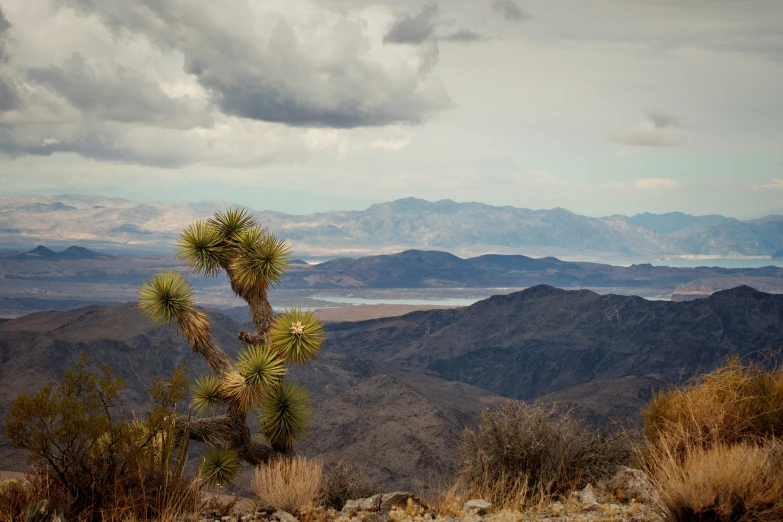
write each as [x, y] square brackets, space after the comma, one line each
[254, 259]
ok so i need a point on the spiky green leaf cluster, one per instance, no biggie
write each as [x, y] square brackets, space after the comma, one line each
[166, 298]
[238, 392]
[207, 394]
[202, 249]
[297, 335]
[261, 367]
[285, 415]
[229, 223]
[220, 466]
[261, 259]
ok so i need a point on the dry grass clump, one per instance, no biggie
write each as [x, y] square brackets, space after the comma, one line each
[342, 482]
[735, 403]
[522, 453]
[713, 447]
[726, 483]
[289, 484]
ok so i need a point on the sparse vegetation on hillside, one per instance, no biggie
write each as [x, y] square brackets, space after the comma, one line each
[254, 259]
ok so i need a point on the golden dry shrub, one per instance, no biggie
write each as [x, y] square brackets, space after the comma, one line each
[736, 403]
[742, 482]
[289, 483]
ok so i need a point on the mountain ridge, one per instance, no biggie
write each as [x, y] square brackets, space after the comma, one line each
[466, 228]
[543, 339]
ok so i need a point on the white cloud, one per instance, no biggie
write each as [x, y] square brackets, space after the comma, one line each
[651, 184]
[658, 130]
[172, 83]
[774, 184]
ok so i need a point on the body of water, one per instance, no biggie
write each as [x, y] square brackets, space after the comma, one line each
[693, 263]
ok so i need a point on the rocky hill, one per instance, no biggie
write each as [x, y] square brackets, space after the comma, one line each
[544, 340]
[72, 253]
[463, 228]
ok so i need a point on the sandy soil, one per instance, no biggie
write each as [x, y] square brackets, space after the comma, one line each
[365, 312]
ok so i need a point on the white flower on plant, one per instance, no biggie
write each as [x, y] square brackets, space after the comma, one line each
[297, 328]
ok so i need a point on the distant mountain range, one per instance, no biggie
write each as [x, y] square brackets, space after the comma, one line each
[114, 224]
[395, 394]
[43, 279]
[72, 253]
[435, 269]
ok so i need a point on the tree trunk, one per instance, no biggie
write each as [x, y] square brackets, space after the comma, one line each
[229, 430]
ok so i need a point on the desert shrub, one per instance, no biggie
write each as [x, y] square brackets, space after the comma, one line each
[721, 483]
[95, 462]
[733, 404]
[342, 482]
[521, 450]
[288, 483]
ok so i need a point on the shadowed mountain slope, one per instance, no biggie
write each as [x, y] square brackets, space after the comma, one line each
[542, 340]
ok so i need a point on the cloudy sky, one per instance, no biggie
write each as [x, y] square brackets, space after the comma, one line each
[598, 106]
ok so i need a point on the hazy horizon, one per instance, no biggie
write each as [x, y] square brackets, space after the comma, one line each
[54, 194]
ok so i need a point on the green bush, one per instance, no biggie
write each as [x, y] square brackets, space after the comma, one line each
[96, 459]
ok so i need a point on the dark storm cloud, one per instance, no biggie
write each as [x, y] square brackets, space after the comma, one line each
[510, 10]
[464, 35]
[8, 97]
[282, 76]
[414, 29]
[117, 94]
[5, 25]
[662, 120]
[95, 141]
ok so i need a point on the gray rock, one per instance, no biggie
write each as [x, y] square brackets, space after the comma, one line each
[396, 499]
[378, 516]
[284, 516]
[587, 495]
[40, 512]
[477, 506]
[631, 483]
[372, 503]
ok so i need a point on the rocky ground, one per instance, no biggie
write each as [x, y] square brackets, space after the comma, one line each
[627, 497]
